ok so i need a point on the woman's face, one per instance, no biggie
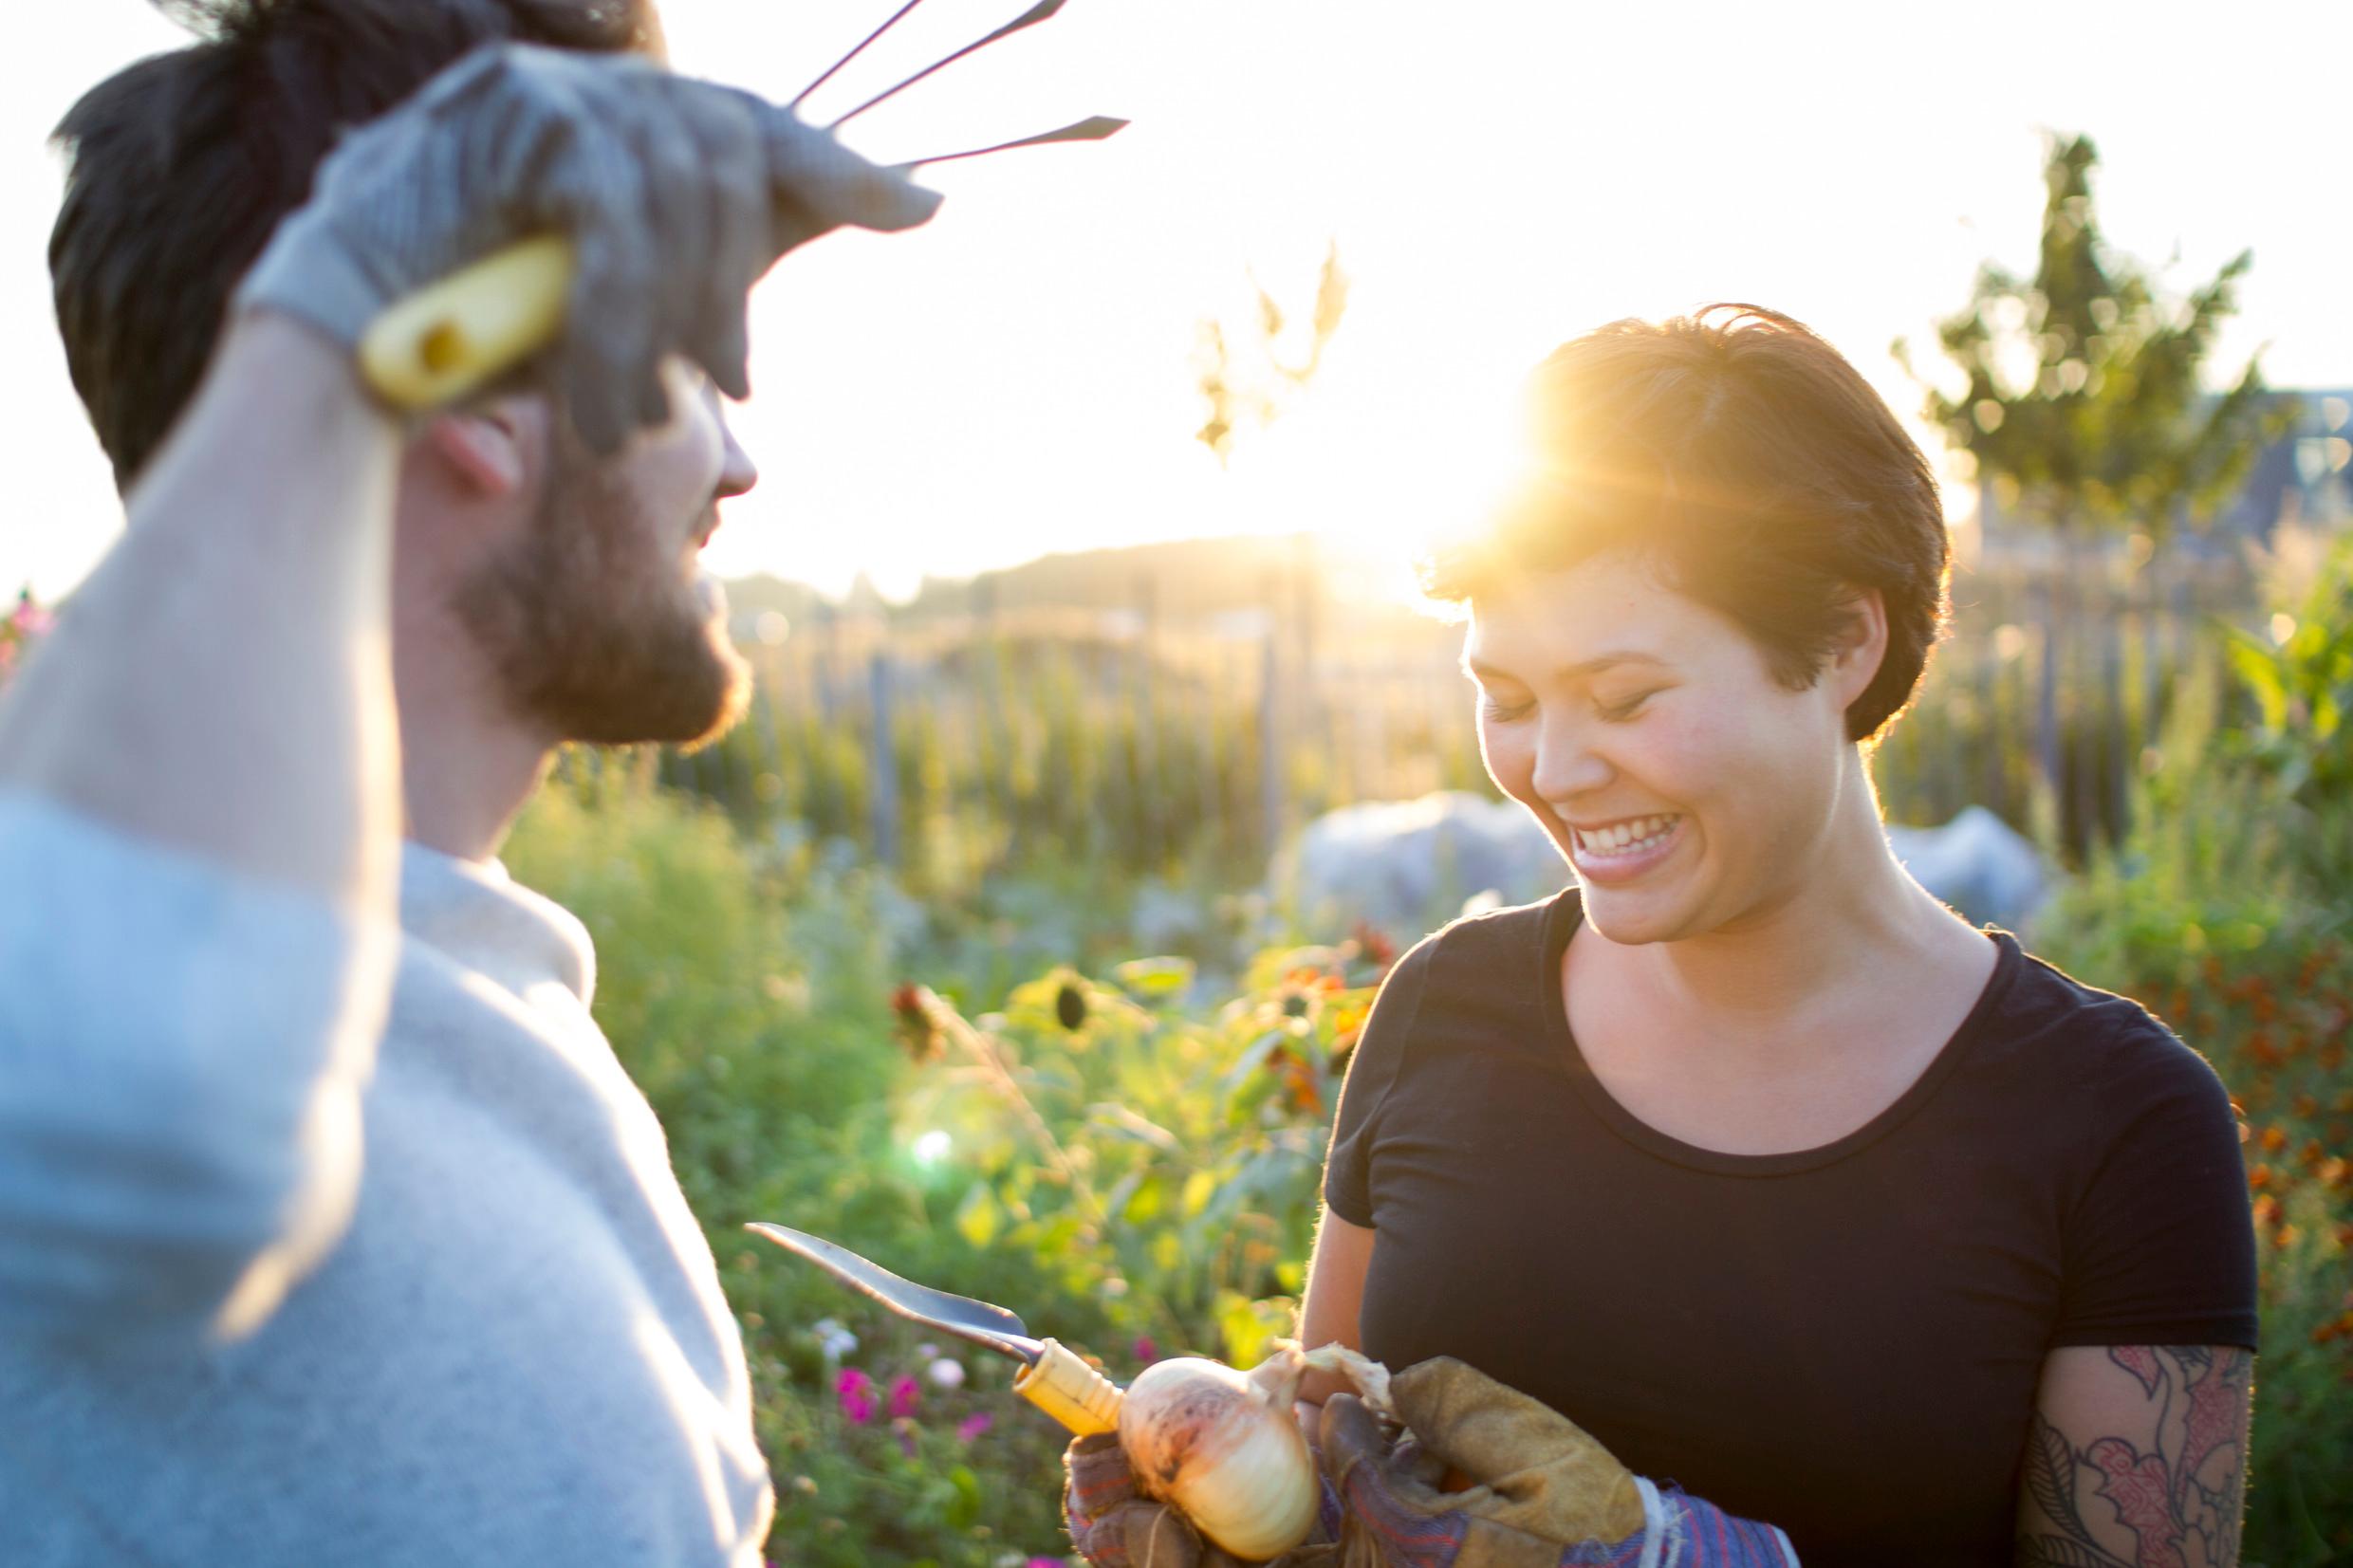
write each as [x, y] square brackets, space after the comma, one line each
[1691, 792]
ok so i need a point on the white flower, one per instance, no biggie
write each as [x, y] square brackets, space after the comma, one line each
[833, 1340]
[946, 1373]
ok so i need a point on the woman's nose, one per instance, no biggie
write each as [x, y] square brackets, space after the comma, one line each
[1568, 762]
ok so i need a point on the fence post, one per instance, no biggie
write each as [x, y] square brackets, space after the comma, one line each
[881, 763]
[1270, 739]
[2046, 697]
[1144, 773]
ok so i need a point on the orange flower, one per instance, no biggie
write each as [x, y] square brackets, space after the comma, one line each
[2259, 1178]
[2273, 1140]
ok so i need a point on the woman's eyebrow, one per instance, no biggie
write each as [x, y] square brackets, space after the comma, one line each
[1479, 669]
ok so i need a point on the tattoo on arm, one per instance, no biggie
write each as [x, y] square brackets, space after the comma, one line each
[2109, 1502]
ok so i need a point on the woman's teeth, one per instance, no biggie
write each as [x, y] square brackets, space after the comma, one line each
[1625, 838]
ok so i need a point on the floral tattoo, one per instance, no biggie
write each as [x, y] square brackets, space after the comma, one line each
[2174, 1506]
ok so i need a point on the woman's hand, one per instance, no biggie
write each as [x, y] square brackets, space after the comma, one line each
[1115, 1525]
[1568, 1494]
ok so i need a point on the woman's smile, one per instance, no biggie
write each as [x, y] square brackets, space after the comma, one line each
[1618, 852]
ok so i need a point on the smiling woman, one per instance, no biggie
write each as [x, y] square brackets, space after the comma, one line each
[1744, 1154]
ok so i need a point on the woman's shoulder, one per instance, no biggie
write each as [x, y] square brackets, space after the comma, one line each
[2054, 1021]
[1472, 949]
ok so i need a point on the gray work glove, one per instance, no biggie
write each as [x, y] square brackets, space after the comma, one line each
[677, 193]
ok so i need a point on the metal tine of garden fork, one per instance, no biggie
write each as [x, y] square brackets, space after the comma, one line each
[1093, 128]
[877, 32]
[1030, 18]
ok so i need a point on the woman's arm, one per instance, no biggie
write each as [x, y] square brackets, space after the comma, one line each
[1343, 1253]
[2137, 1455]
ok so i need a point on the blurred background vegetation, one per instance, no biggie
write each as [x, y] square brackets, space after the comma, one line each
[1051, 795]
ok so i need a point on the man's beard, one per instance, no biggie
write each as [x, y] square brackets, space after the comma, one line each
[591, 630]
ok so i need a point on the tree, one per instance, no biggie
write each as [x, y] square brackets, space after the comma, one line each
[2084, 411]
[2084, 404]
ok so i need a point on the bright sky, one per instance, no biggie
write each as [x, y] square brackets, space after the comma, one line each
[1499, 175]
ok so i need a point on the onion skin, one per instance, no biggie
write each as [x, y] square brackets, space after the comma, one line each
[1224, 1447]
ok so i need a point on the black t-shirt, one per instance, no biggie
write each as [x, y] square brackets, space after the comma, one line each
[1843, 1341]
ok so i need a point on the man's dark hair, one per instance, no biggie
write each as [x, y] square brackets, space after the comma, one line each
[180, 167]
[1742, 456]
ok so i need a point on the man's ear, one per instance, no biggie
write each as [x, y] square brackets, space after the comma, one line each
[483, 446]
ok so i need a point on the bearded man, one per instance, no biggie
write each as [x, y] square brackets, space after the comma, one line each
[330, 1229]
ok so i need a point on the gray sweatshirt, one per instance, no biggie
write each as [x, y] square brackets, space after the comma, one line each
[321, 1244]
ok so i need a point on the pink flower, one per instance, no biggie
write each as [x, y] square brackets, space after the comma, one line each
[1144, 1350]
[903, 1396]
[972, 1425]
[855, 1390]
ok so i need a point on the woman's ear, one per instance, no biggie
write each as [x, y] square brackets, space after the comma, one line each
[483, 448]
[1861, 645]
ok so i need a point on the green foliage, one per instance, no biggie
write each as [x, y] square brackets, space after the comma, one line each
[2084, 397]
[1126, 1152]
[2229, 909]
[747, 988]
[2303, 685]
[1157, 1156]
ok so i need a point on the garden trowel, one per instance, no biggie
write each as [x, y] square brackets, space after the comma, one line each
[1052, 1377]
[452, 336]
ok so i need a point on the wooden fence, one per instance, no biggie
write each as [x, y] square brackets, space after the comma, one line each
[953, 749]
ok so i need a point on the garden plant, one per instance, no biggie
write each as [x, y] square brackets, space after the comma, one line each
[1126, 1152]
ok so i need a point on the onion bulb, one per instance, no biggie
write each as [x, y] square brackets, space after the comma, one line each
[1224, 1447]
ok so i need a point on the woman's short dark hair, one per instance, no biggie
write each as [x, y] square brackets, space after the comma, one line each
[1741, 456]
[180, 167]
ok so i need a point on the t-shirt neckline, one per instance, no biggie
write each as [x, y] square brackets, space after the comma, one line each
[1561, 922]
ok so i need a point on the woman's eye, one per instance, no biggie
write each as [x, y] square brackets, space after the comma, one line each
[1627, 709]
[1506, 712]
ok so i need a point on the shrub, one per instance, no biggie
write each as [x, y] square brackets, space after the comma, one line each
[2228, 911]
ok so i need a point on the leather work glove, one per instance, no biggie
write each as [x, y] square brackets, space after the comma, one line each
[677, 195]
[1115, 1527]
[1541, 1494]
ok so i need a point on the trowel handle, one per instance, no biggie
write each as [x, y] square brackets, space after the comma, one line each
[1071, 1392]
[455, 336]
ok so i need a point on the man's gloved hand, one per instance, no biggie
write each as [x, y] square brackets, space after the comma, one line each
[1542, 1493]
[677, 195]
[1116, 1527]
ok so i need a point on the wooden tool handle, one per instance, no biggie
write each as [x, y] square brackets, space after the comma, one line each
[1071, 1392]
[453, 337]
